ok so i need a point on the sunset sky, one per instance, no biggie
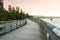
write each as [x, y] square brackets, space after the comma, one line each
[36, 7]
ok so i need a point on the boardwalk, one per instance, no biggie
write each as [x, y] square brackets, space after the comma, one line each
[31, 31]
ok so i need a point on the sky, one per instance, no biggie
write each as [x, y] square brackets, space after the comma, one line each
[36, 7]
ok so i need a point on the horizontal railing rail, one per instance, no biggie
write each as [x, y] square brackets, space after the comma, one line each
[46, 30]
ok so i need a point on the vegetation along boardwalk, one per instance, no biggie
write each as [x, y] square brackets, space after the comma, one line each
[31, 31]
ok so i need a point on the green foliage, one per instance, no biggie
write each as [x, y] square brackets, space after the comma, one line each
[12, 15]
[27, 15]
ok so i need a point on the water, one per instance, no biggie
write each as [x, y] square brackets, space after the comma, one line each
[56, 23]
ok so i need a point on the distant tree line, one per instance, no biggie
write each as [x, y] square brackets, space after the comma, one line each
[12, 14]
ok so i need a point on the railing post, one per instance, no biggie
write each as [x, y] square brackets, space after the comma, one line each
[43, 31]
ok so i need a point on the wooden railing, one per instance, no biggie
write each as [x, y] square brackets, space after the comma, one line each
[46, 29]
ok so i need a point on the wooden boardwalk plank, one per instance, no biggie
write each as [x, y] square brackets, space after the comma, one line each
[31, 31]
